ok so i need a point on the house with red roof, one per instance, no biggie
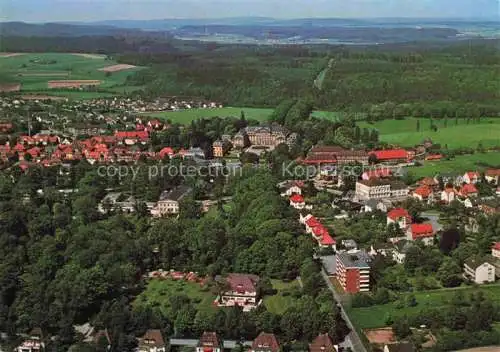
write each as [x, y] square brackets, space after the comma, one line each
[327, 241]
[471, 177]
[492, 176]
[390, 155]
[311, 223]
[323, 343]
[469, 190]
[297, 201]
[291, 187]
[166, 151]
[241, 291]
[399, 216]
[209, 342]
[423, 194]
[495, 250]
[421, 232]
[265, 342]
[132, 137]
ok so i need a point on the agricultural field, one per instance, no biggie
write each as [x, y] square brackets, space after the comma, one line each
[452, 133]
[158, 293]
[460, 164]
[186, 116]
[283, 299]
[34, 71]
[375, 316]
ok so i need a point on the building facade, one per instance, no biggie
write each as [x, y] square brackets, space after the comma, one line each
[380, 189]
[168, 204]
[353, 271]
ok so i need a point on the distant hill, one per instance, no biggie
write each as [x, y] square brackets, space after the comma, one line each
[22, 29]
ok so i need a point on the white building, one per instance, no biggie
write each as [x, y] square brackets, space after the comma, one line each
[380, 189]
[471, 177]
[479, 270]
[168, 204]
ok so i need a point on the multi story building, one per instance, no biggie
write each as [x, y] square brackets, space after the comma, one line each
[336, 155]
[168, 204]
[152, 341]
[209, 342]
[353, 271]
[381, 189]
[241, 291]
[221, 147]
[479, 270]
[267, 136]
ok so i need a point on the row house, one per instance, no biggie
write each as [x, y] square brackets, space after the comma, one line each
[353, 271]
[318, 231]
[241, 291]
[336, 155]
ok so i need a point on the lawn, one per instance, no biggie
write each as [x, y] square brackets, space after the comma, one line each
[459, 164]
[280, 302]
[158, 292]
[404, 132]
[34, 70]
[374, 317]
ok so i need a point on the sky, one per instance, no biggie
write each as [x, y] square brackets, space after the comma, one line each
[97, 10]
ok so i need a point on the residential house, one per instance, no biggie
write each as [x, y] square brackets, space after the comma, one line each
[480, 270]
[209, 342]
[241, 291]
[391, 155]
[353, 271]
[220, 148]
[297, 201]
[399, 216]
[448, 195]
[168, 204]
[323, 343]
[400, 250]
[429, 182]
[400, 347]
[265, 342]
[424, 194]
[34, 343]
[492, 176]
[421, 232]
[380, 189]
[291, 187]
[152, 341]
[471, 177]
[495, 250]
[468, 190]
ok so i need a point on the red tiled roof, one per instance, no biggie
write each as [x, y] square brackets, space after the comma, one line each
[390, 154]
[468, 188]
[319, 230]
[424, 191]
[327, 240]
[496, 246]
[473, 174]
[242, 282]
[209, 339]
[166, 151]
[492, 172]
[312, 222]
[132, 134]
[297, 198]
[322, 343]
[421, 230]
[398, 213]
[153, 337]
[265, 342]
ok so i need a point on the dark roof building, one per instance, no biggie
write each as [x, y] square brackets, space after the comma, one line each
[265, 342]
[322, 343]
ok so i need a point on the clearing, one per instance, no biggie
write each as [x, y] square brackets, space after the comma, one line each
[375, 316]
[456, 133]
[159, 292]
[35, 70]
[279, 303]
[10, 54]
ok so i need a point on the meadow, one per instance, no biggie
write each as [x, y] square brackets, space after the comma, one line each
[34, 70]
[375, 316]
[279, 303]
[451, 133]
[459, 164]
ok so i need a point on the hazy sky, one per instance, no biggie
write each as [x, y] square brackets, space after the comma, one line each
[92, 10]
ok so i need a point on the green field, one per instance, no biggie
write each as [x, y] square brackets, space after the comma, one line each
[158, 292]
[404, 132]
[279, 303]
[186, 116]
[459, 164]
[375, 316]
[34, 70]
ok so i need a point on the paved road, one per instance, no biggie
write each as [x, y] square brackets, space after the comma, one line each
[352, 340]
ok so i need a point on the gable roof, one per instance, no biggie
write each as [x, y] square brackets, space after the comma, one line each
[468, 188]
[209, 339]
[398, 213]
[297, 198]
[322, 343]
[423, 191]
[242, 282]
[390, 154]
[421, 230]
[265, 342]
[476, 261]
[153, 337]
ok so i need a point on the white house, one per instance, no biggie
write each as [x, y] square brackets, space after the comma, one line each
[479, 270]
[492, 176]
[471, 177]
[448, 195]
[399, 216]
